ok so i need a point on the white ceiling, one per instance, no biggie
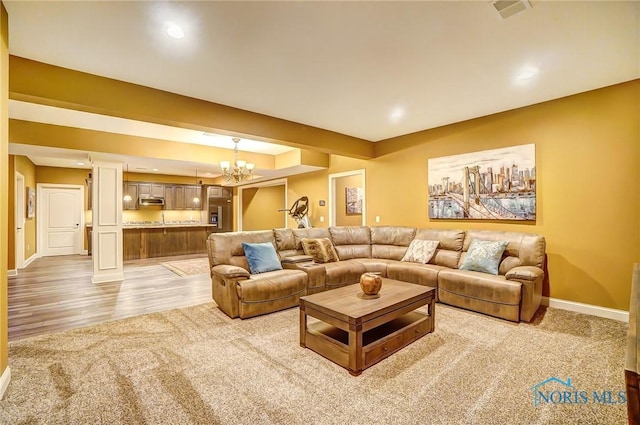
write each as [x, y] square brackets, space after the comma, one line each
[369, 69]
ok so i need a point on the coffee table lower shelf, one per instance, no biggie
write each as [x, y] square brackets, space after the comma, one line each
[377, 343]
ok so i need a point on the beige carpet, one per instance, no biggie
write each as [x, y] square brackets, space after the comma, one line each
[188, 267]
[195, 365]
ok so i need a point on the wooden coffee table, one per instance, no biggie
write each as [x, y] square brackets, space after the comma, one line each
[357, 332]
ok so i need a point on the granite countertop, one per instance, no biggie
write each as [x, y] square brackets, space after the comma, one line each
[159, 225]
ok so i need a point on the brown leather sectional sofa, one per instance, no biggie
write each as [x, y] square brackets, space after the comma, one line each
[514, 294]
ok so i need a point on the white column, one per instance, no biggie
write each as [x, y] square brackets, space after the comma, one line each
[107, 222]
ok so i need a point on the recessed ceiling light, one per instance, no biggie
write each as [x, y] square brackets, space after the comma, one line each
[155, 169]
[397, 114]
[527, 73]
[79, 163]
[173, 30]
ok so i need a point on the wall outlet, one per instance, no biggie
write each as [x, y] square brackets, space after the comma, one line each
[321, 219]
[28, 247]
[377, 219]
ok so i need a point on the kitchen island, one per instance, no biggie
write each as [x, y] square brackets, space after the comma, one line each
[148, 240]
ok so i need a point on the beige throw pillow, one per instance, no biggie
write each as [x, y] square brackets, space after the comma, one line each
[420, 251]
[321, 249]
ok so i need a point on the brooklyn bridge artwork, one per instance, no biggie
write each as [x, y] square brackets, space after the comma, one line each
[497, 184]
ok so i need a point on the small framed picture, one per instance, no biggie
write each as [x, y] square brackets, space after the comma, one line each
[31, 202]
[353, 200]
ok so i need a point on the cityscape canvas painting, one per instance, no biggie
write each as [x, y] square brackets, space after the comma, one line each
[497, 184]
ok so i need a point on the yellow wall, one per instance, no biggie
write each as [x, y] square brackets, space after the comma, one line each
[260, 207]
[342, 218]
[4, 184]
[588, 174]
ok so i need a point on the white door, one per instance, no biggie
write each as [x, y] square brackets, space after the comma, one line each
[20, 220]
[62, 220]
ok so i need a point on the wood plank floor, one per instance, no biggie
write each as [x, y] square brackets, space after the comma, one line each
[55, 293]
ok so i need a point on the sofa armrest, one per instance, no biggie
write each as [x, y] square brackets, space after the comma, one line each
[226, 271]
[531, 279]
[525, 273]
[224, 282]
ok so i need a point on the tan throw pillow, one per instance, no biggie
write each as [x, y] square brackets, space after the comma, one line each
[321, 249]
[420, 251]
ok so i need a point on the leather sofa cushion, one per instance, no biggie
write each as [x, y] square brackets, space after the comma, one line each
[496, 289]
[421, 274]
[448, 252]
[392, 235]
[351, 241]
[450, 239]
[389, 252]
[348, 252]
[524, 249]
[310, 232]
[378, 265]
[273, 285]
[284, 239]
[391, 242]
[343, 273]
[350, 235]
[223, 247]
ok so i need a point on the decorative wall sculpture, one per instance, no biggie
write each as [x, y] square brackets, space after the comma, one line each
[497, 184]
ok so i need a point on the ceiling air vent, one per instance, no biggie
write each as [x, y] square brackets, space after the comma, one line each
[507, 8]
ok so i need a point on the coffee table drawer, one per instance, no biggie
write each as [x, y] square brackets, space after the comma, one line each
[385, 340]
[417, 330]
[381, 349]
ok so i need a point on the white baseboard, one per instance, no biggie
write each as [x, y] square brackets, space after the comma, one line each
[107, 276]
[593, 310]
[30, 259]
[13, 272]
[85, 252]
[4, 381]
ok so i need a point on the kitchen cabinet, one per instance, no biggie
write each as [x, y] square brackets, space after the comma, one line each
[131, 189]
[174, 197]
[131, 244]
[155, 190]
[197, 240]
[220, 192]
[191, 193]
[181, 197]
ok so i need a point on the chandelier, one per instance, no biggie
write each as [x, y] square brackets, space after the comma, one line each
[240, 170]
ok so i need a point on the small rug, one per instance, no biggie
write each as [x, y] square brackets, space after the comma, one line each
[188, 267]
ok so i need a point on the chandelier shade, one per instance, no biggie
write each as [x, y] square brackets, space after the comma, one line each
[238, 170]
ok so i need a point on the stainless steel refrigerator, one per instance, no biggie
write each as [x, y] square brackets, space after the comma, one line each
[220, 214]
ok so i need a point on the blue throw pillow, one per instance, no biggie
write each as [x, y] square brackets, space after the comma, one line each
[261, 257]
[484, 256]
